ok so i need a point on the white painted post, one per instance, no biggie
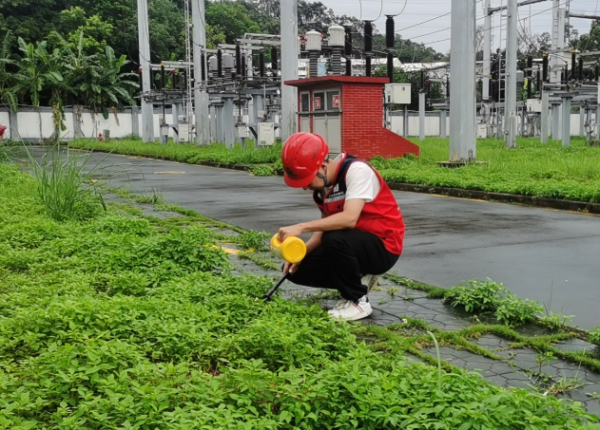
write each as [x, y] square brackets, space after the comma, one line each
[462, 90]
[511, 76]
[200, 95]
[144, 43]
[289, 67]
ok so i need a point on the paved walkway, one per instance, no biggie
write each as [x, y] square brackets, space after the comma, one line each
[544, 255]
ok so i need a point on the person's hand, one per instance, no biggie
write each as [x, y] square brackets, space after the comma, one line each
[289, 267]
[285, 232]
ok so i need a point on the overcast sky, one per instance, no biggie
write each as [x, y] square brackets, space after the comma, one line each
[418, 11]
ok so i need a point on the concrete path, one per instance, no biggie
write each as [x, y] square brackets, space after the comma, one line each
[545, 255]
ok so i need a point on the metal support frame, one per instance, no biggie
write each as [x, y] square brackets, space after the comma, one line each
[144, 46]
[443, 116]
[201, 97]
[421, 115]
[289, 67]
[228, 124]
[566, 116]
[545, 108]
[462, 91]
[511, 76]
[555, 120]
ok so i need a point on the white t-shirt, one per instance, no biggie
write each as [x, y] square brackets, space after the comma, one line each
[361, 182]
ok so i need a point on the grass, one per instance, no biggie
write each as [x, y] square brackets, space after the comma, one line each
[532, 169]
[118, 322]
[189, 153]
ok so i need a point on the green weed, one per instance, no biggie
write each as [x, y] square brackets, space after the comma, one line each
[491, 297]
[66, 191]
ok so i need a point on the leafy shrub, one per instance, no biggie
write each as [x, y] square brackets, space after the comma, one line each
[263, 170]
[256, 240]
[489, 296]
[476, 296]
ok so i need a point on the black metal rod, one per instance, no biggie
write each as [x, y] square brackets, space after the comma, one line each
[368, 66]
[545, 68]
[422, 79]
[348, 66]
[163, 78]
[368, 36]
[273, 59]
[185, 79]
[573, 65]
[219, 63]
[529, 65]
[238, 60]
[390, 32]
[580, 69]
[267, 297]
[261, 63]
[348, 47]
[538, 82]
[390, 67]
[203, 67]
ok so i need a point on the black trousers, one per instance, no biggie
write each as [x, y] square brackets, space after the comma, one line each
[342, 259]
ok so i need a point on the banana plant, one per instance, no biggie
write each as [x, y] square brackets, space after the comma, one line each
[107, 86]
[8, 88]
[41, 70]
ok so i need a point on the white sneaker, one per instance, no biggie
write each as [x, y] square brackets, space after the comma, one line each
[370, 281]
[347, 310]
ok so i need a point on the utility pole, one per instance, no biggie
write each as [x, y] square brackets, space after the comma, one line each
[200, 95]
[510, 113]
[462, 91]
[289, 67]
[487, 50]
[144, 42]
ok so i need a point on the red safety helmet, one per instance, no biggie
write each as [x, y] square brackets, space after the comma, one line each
[302, 156]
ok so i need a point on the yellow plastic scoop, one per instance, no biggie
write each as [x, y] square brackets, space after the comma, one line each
[292, 249]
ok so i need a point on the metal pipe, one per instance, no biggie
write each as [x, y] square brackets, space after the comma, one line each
[390, 67]
[580, 69]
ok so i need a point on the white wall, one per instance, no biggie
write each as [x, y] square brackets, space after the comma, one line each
[432, 124]
[30, 128]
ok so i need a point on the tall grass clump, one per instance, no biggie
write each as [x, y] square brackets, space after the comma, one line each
[66, 190]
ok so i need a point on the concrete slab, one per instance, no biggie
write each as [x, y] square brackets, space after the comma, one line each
[544, 255]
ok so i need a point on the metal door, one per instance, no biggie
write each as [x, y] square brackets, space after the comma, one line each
[334, 133]
[305, 124]
[320, 126]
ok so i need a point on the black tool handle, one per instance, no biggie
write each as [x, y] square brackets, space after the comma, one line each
[267, 296]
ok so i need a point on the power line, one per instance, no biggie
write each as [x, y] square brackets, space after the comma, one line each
[380, 11]
[405, 3]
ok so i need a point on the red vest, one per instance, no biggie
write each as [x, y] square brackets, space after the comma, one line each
[382, 216]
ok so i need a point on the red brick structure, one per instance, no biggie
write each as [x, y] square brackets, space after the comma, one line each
[348, 112]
